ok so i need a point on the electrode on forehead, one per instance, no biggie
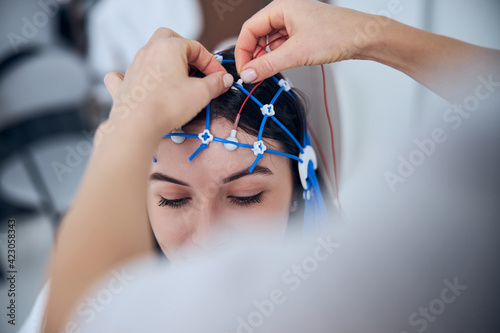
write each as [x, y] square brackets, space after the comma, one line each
[178, 138]
[232, 140]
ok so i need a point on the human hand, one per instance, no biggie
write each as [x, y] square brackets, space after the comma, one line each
[156, 89]
[317, 33]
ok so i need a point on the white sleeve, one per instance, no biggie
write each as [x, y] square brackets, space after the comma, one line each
[33, 324]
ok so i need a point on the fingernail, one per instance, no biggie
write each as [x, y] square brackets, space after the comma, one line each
[248, 75]
[228, 80]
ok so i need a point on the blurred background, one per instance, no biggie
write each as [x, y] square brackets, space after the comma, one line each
[54, 54]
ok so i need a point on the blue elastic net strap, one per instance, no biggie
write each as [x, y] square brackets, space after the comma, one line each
[278, 93]
[252, 97]
[207, 119]
[262, 124]
[254, 164]
[288, 132]
[306, 140]
[197, 151]
[272, 117]
[185, 135]
[207, 127]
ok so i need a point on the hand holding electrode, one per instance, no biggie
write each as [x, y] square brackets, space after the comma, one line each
[156, 87]
[317, 33]
[308, 33]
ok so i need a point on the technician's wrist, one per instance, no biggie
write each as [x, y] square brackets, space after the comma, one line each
[373, 38]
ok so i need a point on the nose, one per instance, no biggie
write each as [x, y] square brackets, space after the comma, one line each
[206, 233]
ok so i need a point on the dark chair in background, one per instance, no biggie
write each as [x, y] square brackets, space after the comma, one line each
[36, 114]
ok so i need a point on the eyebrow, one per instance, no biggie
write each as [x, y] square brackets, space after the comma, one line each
[261, 170]
[164, 178]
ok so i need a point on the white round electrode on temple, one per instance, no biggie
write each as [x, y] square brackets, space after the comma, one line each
[176, 138]
[232, 138]
[308, 155]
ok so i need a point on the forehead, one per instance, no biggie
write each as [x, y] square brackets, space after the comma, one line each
[214, 161]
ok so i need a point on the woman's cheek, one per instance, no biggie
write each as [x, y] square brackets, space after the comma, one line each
[169, 227]
[273, 215]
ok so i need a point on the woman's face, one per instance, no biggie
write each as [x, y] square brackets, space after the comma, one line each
[188, 201]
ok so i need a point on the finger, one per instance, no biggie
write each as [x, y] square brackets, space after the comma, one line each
[271, 63]
[260, 48]
[207, 88]
[263, 44]
[259, 25]
[211, 86]
[163, 33]
[202, 59]
[197, 55]
[277, 39]
[113, 81]
[158, 37]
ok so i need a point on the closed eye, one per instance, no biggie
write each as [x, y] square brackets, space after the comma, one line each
[175, 203]
[240, 201]
[247, 201]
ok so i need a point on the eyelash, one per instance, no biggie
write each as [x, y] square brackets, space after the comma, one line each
[247, 201]
[240, 201]
[176, 203]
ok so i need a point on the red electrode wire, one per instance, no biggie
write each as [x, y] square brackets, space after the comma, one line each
[242, 105]
[196, 71]
[331, 137]
[258, 84]
[274, 40]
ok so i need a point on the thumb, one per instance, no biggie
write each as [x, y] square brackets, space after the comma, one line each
[271, 63]
[113, 81]
[213, 85]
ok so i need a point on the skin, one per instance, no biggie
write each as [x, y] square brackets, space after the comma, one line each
[110, 207]
[212, 197]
